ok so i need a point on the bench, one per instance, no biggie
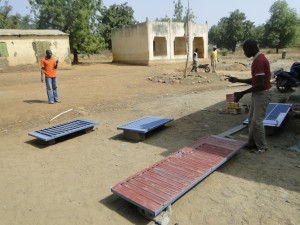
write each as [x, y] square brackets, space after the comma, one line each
[51, 133]
[158, 186]
[137, 129]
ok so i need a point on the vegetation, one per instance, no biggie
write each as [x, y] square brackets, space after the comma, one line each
[231, 30]
[178, 15]
[75, 17]
[8, 21]
[281, 28]
[280, 31]
[113, 17]
[89, 24]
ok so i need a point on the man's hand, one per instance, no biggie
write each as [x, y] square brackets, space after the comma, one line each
[238, 96]
[56, 61]
[231, 79]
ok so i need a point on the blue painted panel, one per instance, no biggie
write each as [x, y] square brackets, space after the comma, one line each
[275, 115]
[144, 124]
[63, 129]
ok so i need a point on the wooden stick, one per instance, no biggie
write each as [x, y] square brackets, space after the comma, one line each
[60, 115]
[236, 85]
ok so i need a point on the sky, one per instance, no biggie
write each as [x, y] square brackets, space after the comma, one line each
[208, 11]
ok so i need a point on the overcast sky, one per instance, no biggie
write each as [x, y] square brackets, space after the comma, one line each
[256, 11]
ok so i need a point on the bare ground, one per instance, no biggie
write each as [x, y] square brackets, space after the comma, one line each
[69, 182]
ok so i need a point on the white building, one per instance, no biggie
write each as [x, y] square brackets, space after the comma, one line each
[23, 49]
[156, 42]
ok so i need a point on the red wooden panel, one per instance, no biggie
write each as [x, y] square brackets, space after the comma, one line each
[185, 166]
[133, 196]
[172, 174]
[174, 178]
[158, 186]
[180, 172]
[167, 180]
[138, 189]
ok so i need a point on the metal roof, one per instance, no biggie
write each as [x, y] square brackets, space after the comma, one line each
[15, 32]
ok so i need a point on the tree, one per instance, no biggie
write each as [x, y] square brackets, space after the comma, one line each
[75, 17]
[214, 36]
[178, 11]
[178, 15]
[113, 17]
[281, 28]
[296, 42]
[260, 35]
[4, 15]
[231, 30]
[8, 21]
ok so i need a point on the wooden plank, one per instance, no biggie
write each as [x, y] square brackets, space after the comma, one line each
[164, 184]
[133, 197]
[148, 195]
[233, 130]
[172, 173]
[148, 189]
[171, 182]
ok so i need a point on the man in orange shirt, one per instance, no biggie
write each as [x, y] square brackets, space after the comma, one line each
[48, 69]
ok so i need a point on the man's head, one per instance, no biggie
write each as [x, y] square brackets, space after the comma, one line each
[196, 50]
[48, 54]
[214, 48]
[250, 48]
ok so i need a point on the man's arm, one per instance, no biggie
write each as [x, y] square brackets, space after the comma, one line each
[257, 87]
[56, 64]
[235, 79]
[42, 74]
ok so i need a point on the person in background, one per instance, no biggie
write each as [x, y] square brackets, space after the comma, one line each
[260, 95]
[48, 70]
[195, 61]
[214, 59]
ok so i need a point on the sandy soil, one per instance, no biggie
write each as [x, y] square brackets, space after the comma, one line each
[69, 182]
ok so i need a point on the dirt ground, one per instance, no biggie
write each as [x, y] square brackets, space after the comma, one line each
[69, 182]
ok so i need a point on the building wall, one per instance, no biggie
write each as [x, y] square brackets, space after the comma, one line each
[23, 54]
[199, 33]
[130, 44]
[158, 42]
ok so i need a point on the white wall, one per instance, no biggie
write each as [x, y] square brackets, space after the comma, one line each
[21, 52]
[129, 44]
[134, 44]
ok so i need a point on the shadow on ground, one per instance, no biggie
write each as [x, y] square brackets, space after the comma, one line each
[35, 101]
[124, 208]
[199, 124]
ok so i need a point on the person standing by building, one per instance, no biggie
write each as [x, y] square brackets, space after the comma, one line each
[48, 70]
[195, 61]
[214, 59]
[260, 95]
